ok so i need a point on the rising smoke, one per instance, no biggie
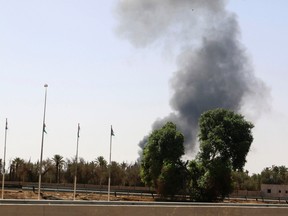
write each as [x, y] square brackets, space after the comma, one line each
[213, 69]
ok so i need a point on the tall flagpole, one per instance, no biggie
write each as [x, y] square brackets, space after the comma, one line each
[109, 180]
[42, 141]
[76, 162]
[4, 159]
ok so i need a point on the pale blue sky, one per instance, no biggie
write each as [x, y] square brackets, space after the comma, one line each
[97, 79]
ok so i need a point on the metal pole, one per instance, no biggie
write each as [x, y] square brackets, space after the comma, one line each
[4, 159]
[109, 180]
[42, 142]
[76, 163]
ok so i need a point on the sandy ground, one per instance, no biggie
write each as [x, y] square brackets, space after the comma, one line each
[19, 194]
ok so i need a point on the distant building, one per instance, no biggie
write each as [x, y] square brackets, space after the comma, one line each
[274, 190]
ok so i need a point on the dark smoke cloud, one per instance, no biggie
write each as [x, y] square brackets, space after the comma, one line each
[213, 68]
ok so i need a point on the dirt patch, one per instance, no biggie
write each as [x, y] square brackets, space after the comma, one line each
[20, 194]
[14, 194]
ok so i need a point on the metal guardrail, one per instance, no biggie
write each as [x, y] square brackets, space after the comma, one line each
[130, 203]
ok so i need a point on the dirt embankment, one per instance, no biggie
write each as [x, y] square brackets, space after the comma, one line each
[19, 194]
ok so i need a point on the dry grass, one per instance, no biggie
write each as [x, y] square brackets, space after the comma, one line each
[14, 194]
[19, 194]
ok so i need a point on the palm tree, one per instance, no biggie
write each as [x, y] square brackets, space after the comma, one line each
[102, 168]
[133, 174]
[18, 169]
[58, 162]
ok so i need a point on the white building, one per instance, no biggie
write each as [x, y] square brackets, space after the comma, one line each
[274, 190]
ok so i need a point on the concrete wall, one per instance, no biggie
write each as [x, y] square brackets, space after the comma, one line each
[73, 210]
[272, 190]
[245, 193]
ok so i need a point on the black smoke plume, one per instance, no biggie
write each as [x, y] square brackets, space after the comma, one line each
[213, 69]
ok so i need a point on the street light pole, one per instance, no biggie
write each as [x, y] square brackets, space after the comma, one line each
[76, 163]
[4, 159]
[109, 179]
[42, 142]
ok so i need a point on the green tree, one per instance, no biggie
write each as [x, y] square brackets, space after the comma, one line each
[242, 181]
[224, 135]
[275, 175]
[161, 155]
[69, 170]
[101, 170]
[172, 178]
[117, 174]
[133, 177]
[47, 170]
[17, 171]
[31, 171]
[58, 162]
[85, 172]
[225, 139]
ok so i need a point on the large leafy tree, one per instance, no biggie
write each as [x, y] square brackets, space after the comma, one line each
[161, 159]
[224, 135]
[225, 139]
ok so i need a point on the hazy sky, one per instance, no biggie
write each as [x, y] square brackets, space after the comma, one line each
[98, 79]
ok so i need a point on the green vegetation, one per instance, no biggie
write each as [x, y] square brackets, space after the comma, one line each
[275, 175]
[161, 166]
[58, 170]
[224, 137]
